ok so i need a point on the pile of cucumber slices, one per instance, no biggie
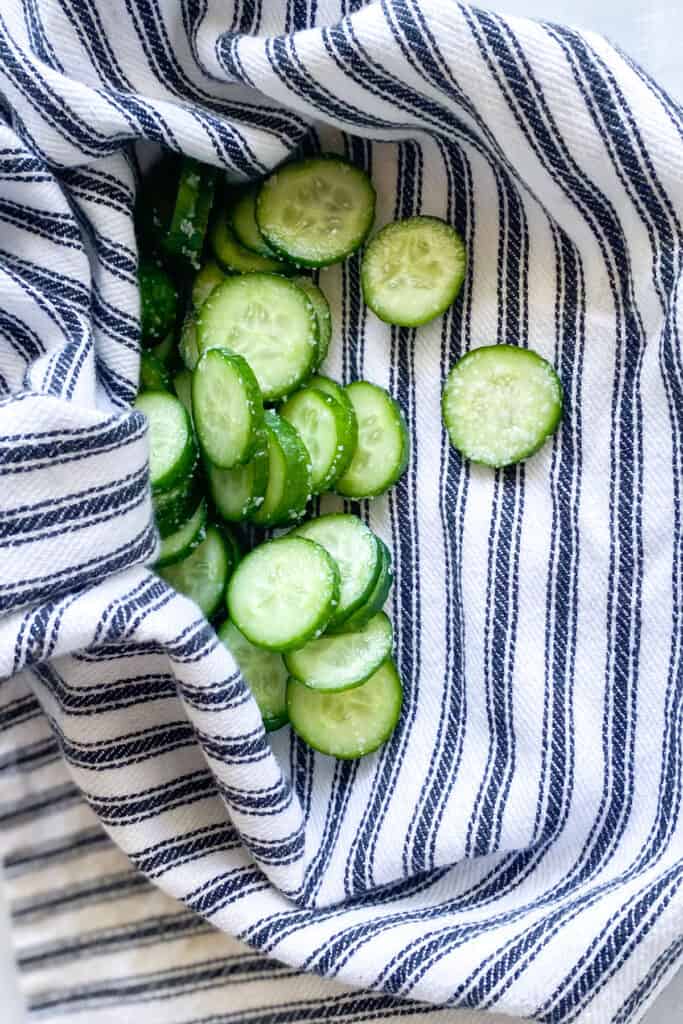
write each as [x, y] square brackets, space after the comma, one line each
[245, 427]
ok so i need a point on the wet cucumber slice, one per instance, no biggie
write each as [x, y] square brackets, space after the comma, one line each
[340, 662]
[206, 280]
[377, 599]
[413, 270]
[165, 349]
[185, 238]
[227, 408]
[239, 492]
[153, 374]
[323, 427]
[243, 221]
[187, 345]
[182, 385]
[204, 574]
[236, 258]
[349, 724]
[174, 507]
[322, 312]
[264, 672]
[172, 449]
[382, 451]
[316, 211]
[283, 593]
[289, 474]
[158, 302]
[357, 553]
[184, 540]
[501, 404]
[270, 322]
[336, 391]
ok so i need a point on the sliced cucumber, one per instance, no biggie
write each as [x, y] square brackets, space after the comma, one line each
[270, 322]
[172, 451]
[336, 391]
[316, 211]
[178, 545]
[237, 493]
[182, 385]
[185, 238]
[165, 349]
[323, 426]
[322, 312]
[158, 302]
[243, 222]
[375, 602]
[236, 258]
[233, 545]
[265, 675]
[340, 662]
[174, 507]
[227, 408]
[501, 404]
[283, 593]
[153, 374]
[350, 724]
[187, 345]
[413, 270]
[204, 574]
[382, 451]
[357, 553]
[289, 474]
[206, 280]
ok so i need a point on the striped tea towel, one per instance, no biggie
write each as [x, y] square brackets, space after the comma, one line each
[517, 846]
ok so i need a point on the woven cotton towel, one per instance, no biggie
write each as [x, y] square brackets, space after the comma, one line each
[517, 845]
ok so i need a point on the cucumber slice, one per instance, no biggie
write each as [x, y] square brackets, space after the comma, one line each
[237, 493]
[158, 302]
[377, 598]
[184, 540]
[413, 270]
[357, 553]
[185, 238]
[340, 662]
[382, 451]
[236, 258]
[227, 408]
[316, 211]
[174, 507]
[182, 385]
[501, 404]
[165, 349]
[283, 593]
[187, 345]
[322, 312]
[233, 545]
[204, 574]
[153, 374]
[289, 474]
[172, 450]
[267, 320]
[206, 280]
[336, 391]
[350, 724]
[243, 222]
[323, 427]
[265, 675]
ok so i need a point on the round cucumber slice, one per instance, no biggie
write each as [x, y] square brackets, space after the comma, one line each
[182, 385]
[153, 374]
[356, 551]
[172, 451]
[270, 322]
[174, 507]
[322, 425]
[227, 408]
[501, 404]
[283, 593]
[243, 220]
[413, 270]
[336, 391]
[322, 312]
[350, 724]
[184, 540]
[289, 474]
[187, 345]
[375, 602]
[185, 238]
[237, 493]
[204, 574]
[206, 280]
[340, 662]
[265, 675]
[158, 302]
[316, 211]
[236, 258]
[382, 451]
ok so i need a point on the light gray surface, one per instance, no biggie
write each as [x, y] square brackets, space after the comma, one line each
[650, 32]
